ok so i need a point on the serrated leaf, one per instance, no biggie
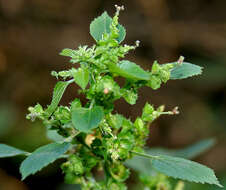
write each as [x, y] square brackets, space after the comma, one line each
[86, 119]
[185, 70]
[129, 70]
[57, 95]
[180, 168]
[140, 164]
[8, 151]
[82, 77]
[101, 25]
[67, 52]
[188, 152]
[42, 157]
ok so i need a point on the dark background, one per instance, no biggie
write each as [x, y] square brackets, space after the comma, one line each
[33, 32]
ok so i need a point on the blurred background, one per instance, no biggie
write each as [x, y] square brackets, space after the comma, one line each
[33, 32]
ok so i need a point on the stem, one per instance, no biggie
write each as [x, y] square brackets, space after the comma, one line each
[71, 81]
[64, 156]
[107, 175]
[145, 155]
[27, 154]
[93, 78]
[167, 113]
[92, 103]
[69, 139]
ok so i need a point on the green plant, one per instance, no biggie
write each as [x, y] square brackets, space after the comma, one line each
[92, 138]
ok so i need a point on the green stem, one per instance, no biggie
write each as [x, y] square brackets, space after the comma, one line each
[167, 113]
[28, 154]
[92, 103]
[64, 156]
[107, 174]
[69, 139]
[71, 81]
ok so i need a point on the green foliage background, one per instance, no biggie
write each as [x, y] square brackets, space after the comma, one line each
[32, 34]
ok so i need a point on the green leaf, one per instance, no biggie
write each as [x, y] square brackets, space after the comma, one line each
[8, 151]
[54, 136]
[57, 95]
[115, 121]
[101, 25]
[189, 152]
[129, 96]
[85, 119]
[129, 70]
[184, 169]
[42, 157]
[185, 70]
[82, 77]
[76, 103]
[67, 52]
[141, 165]
[122, 33]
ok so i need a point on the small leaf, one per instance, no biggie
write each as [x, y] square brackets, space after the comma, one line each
[8, 151]
[184, 169]
[129, 96]
[185, 70]
[76, 103]
[85, 119]
[82, 77]
[122, 33]
[67, 52]
[189, 152]
[130, 70]
[42, 157]
[57, 95]
[101, 25]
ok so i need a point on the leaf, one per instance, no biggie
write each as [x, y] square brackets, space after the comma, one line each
[122, 33]
[42, 157]
[54, 136]
[184, 169]
[185, 70]
[67, 52]
[57, 95]
[85, 119]
[130, 70]
[189, 152]
[141, 165]
[8, 151]
[101, 25]
[82, 77]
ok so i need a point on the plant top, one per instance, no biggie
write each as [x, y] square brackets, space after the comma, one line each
[100, 145]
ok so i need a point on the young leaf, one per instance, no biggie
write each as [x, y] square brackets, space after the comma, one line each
[67, 52]
[8, 151]
[101, 25]
[42, 157]
[185, 70]
[189, 152]
[57, 95]
[184, 169]
[122, 33]
[82, 77]
[130, 70]
[85, 119]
